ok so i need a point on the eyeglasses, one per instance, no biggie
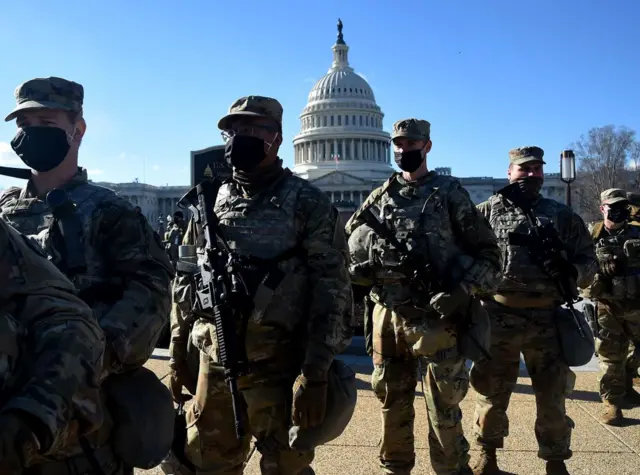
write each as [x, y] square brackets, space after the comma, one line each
[253, 130]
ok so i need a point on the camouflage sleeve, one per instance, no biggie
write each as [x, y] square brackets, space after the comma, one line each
[135, 254]
[485, 209]
[331, 299]
[182, 303]
[59, 363]
[181, 306]
[581, 251]
[477, 240]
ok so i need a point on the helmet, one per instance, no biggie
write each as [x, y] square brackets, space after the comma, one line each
[342, 396]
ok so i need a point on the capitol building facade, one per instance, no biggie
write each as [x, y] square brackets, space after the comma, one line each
[342, 148]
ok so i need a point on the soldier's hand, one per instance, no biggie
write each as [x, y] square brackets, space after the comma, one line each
[558, 267]
[179, 378]
[449, 303]
[18, 444]
[309, 402]
[612, 267]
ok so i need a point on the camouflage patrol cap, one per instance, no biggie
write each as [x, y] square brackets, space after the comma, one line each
[253, 106]
[613, 195]
[520, 155]
[415, 129]
[48, 93]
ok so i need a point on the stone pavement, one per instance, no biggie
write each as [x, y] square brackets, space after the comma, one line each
[597, 449]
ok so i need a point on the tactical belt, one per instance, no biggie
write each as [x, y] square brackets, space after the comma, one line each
[525, 300]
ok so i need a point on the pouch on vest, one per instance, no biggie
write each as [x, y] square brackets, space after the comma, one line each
[143, 415]
[474, 338]
[342, 396]
[176, 462]
[577, 350]
[368, 324]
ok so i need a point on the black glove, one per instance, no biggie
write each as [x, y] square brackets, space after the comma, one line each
[612, 267]
[558, 267]
[450, 303]
[18, 444]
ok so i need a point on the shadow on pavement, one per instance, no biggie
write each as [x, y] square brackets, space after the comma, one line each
[588, 396]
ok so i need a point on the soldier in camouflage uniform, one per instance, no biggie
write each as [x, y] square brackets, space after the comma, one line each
[436, 217]
[616, 289]
[174, 235]
[124, 274]
[293, 335]
[51, 352]
[522, 320]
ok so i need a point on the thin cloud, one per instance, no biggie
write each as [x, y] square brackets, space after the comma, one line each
[7, 156]
[156, 167]
[309, 80]
[94, 171]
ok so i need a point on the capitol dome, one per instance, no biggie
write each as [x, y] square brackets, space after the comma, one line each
[341, 133]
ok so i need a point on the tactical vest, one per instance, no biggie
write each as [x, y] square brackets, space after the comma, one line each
[420, 217]
[264, 227]
[33, 217]
[624, 245]
[519, 272]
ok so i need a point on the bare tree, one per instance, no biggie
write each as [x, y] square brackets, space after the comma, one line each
[605, 157]
[634, 165]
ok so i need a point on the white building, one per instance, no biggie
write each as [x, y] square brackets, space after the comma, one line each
[342, 148]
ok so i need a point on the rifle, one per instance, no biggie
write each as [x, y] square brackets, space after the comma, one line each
[70, 228]
[543, 243]
[14, 172]
[424, 279]
[221, 291]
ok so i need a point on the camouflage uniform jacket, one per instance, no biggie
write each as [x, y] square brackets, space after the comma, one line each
[128, 273]
[315, 291]
[51, 346]
[611, 243]
[173, 238]
[520, 273]
[437, 219]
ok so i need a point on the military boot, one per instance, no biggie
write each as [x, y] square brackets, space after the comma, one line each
[487, 464]
[612, 414]
[556, 467]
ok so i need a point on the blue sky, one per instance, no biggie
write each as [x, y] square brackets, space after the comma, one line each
[488, 74]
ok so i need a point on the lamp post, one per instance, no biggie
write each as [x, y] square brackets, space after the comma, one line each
[567, 172]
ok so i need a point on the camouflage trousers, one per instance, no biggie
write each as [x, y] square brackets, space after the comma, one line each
[212, 445]
[619, 329]
[399, 348]
[532, 332]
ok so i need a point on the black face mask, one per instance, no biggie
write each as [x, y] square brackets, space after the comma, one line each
[618, 215]
[244, 152]
[41, 148]
[408, 161]
[530, 186]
